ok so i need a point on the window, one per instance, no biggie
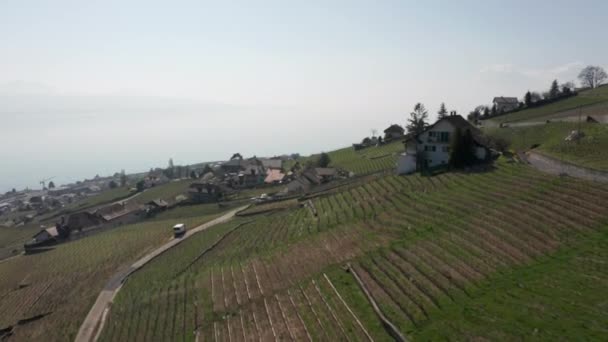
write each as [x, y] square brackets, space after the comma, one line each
[444, 136]
[432, 134]
[430, 148]
[445, 149]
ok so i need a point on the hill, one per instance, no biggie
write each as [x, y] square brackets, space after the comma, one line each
[588, 102]
[590, 152]
[500, 254]
[45, 296]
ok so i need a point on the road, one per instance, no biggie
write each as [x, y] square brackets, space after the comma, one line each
[95, 320]
[557, 167]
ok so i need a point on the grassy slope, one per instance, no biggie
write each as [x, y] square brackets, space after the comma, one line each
[487, 257]
[557, 298]
[66, 280]
[12, 239]
[585, 98]
[590, 152]
[365, 161]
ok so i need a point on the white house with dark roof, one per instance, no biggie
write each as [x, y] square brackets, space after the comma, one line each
[433, 145]
[505, 104]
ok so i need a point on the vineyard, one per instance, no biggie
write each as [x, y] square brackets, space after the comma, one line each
[46, 295]
[423, 246]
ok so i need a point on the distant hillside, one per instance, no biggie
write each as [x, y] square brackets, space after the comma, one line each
[594, 101]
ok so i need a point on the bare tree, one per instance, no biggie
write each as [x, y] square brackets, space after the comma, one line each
[592, 76]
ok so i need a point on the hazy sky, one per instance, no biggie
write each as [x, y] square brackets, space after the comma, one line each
[92, 87]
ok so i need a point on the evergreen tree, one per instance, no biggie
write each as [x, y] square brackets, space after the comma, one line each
[486, 112]
[554, 90]
[528, 99]
[51, 185]
[123, 178]
[417, 122]
[323, 160]
[493, 111]
[443, 112]
[462, 150]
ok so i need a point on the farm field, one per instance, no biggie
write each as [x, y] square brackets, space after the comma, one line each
[590, 152]
[48, 294]
[587, 99]
[424, 247]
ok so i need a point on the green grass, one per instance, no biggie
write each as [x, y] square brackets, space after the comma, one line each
[366, 161]
[584, 99]
[167, 191]
[557, 298]
[12, 239]
[590, 152]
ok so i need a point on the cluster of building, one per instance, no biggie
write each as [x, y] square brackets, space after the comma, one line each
[25, 204]
[243, 173]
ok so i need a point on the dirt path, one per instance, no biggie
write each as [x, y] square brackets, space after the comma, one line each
[95, 320]
[557, 167]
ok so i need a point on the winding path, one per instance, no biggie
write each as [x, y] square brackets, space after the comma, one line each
[554, 166]
[93, 324]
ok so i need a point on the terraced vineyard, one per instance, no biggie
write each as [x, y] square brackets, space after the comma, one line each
[424, 247]
[45, 296]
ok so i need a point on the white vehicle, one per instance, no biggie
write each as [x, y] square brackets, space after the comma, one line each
[179, 229]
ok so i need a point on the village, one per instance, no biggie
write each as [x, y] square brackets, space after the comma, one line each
[425, 148]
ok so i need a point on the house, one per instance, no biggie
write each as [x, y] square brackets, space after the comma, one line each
[156, 205]
[274, 176]
[205, 192]
[393, 132]
[432, 147]
[120, 213]
[48, 237]
[505, 104]
[272, 163]
[83, 219]
[325, 174]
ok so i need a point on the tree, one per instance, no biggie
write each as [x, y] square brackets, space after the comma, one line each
[567, 88]
[207, 169]
[554, 90]
[323, 160]
[493, 111]
[236, 156]
[528, 99]
[443, 112]
[486, 112]
[14, 190]
[51, 185]
[192, 174]
[374, 132]
[535, 97]
[112, 184]
[592, 76]
[417, 121]
[140, 185]
[123, 178]
[462, 152]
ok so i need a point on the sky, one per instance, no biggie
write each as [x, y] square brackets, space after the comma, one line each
[93, 87]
